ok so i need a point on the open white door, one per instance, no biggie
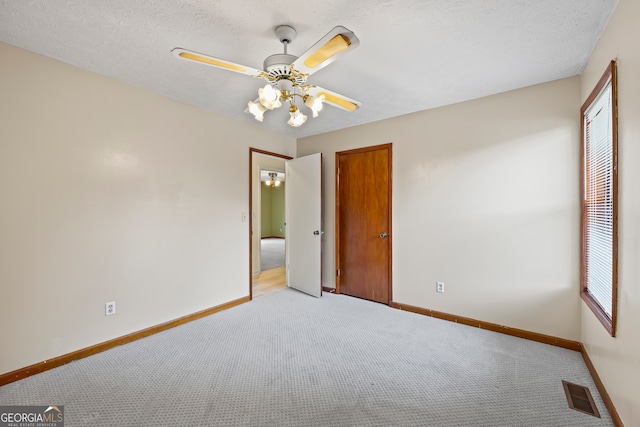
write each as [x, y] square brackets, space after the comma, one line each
[303, 210]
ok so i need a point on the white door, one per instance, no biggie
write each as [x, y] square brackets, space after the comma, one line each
[303, 209]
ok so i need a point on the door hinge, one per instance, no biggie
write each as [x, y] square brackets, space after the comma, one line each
[338, 272]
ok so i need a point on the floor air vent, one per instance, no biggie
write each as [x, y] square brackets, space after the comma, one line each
[579, 398]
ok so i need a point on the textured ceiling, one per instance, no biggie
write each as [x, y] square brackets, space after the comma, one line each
[413, 54]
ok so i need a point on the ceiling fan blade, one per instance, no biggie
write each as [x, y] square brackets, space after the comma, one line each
[335, 99]
[214, 62]
[329, 48]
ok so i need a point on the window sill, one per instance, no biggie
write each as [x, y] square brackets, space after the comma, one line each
[608, 323]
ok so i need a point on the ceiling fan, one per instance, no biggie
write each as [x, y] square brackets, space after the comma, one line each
[286, 74]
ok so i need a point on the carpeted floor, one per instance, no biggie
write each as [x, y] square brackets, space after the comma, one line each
[288, 359]
[271, 253]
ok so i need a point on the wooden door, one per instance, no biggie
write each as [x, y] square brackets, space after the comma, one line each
[363, 223]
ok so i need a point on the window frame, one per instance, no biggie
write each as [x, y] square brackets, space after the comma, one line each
[610, 75]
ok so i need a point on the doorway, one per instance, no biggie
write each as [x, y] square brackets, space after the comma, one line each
[272, 272]
[363, 223]
[265, 277]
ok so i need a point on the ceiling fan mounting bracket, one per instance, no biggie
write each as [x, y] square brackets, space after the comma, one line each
[285, 34]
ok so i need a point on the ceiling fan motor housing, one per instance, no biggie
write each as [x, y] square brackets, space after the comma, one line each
[278, 67]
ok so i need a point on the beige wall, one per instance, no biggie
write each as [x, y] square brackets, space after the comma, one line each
[110, 192]
[485, 199]
[617, 360]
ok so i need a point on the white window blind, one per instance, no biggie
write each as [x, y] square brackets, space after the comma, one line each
[598, 200]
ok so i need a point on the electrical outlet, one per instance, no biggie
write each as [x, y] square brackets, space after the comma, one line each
[110, 308]
[440, 287]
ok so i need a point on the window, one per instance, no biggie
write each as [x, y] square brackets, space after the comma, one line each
[599, 193]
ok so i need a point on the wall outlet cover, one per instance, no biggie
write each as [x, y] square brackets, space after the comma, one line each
[110, 308]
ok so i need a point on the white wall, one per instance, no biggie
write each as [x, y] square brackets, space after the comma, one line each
[617, 360]
[485, 198]
[110, 192]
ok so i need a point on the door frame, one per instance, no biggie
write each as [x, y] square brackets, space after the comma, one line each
[389, 146]
[266, 153]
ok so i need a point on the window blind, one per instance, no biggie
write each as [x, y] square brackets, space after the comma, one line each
[598, 200]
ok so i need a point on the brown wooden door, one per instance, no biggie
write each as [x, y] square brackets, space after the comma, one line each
[363, 223]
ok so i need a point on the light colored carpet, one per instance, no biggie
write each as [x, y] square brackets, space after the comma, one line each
[288, 359]
[271, 253]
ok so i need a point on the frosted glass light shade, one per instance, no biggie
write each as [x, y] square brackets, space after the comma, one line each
[297, 118]
[269, 97]
[315, 104]
[257, 110]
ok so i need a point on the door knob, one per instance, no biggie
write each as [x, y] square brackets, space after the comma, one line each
[317, 232]
[383, 235]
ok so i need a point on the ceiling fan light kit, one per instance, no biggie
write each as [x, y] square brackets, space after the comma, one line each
[286, 75]
[273, 180]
